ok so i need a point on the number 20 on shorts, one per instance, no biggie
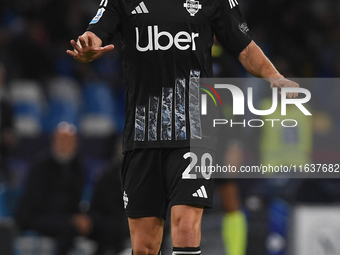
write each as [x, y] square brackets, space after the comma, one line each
[203, 168]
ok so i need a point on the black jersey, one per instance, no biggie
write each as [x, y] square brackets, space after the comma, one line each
[166, 49]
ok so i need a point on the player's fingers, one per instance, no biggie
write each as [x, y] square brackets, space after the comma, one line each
[75, 45]
[107, 48]
[90, 41]
[292, 84]
[276, 84]
[296, 94]
[71, 53]
[82, 42]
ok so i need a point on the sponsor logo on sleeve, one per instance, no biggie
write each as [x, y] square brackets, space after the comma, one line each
[98, 16]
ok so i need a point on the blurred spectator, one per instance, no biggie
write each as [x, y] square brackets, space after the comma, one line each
[50, 202]
[106, 216]
[7, 133]
[282, 145]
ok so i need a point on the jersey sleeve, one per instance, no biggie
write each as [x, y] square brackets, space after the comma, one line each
[107, 21]
[230, 28]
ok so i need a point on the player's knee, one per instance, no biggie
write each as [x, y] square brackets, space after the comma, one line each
[185, 225]
[186, 232]
[186, 220]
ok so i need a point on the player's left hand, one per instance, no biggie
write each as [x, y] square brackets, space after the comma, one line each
[284, 83]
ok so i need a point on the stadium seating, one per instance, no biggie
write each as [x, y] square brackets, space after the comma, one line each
[28, 100]
[64, 102]
[98, 115]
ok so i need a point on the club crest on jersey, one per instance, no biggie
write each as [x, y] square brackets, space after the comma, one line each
[192, 7]
[243, 27]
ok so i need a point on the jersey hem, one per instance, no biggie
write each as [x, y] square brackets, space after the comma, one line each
[206, 204]
[145, 214]
[170, 146]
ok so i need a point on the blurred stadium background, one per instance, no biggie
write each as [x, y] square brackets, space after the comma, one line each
[46, 86]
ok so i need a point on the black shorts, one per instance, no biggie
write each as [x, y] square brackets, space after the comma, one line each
[153, 178]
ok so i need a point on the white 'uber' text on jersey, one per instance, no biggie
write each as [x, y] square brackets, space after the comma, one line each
[166, 49]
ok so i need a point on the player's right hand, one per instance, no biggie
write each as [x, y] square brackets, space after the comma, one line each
[88, 48]
[284, 83]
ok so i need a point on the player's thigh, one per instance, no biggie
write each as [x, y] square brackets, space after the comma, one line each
[146, 234]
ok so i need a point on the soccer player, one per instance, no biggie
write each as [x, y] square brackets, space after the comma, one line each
[166, 49]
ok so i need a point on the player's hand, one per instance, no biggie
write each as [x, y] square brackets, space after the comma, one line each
[88, 48]
[285, 83]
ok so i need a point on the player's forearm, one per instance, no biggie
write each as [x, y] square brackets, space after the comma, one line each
[256, 63]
